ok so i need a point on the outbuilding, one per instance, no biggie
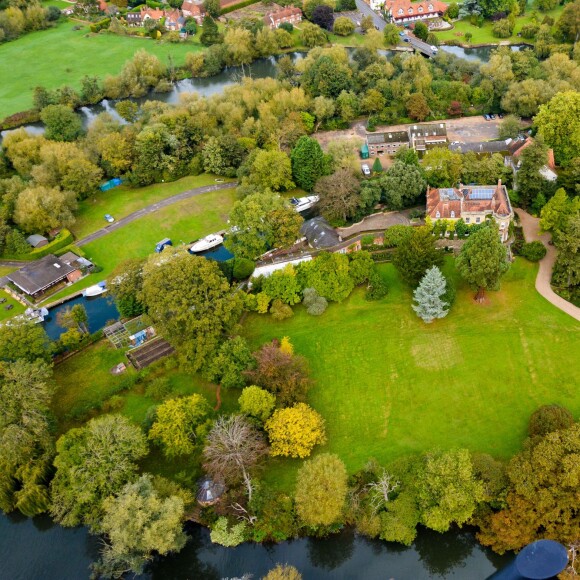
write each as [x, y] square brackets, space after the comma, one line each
[37, 241]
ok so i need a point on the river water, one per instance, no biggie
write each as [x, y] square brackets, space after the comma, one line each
[39, 549]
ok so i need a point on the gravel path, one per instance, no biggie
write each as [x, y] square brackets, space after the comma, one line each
[378, 221]
[531, 226]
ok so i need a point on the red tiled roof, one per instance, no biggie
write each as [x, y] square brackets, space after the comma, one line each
[412, 8]
[551, 161]
[154, 13]
[287, 12]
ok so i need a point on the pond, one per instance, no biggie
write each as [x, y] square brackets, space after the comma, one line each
[100, 310]
[38, 548]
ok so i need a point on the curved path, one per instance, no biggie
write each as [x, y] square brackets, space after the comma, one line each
[531, 226]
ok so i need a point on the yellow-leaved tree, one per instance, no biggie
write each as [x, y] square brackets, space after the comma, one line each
[294, 431]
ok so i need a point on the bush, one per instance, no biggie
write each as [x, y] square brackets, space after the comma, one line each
[529, 30]
[343, 26]
[243, 268]
[158, 388]
[114, 403]
[100, 25]
[453, 10]
[345, 5]
[62, 239]
[395, 235]
[549, 418]
[502, 28]
[287, 26]
[377, 287]
[52, 14]
[534, 251]
[280, 311]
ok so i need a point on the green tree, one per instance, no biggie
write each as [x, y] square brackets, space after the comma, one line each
[447, 489]
[442, 167]
[227, 365]
[524, 98]
[180, 424]
[568, 24]
[128, 110]
[421, 31]
[260, 222]
[232, 451]
[139, 523]
[417, 107]
[125, 284]
[209, 32]
[339, 195]
[558, 124]
[566, 273]
[283, 285]
[23, 341]
[482, 260]
[272, 169]
[40, 209]
[92, 463]
[415, 254]
[240, 45]
[528, 179]
[315, 304]
[190, 302]
[321, 487]
[407, 155]
[75, 317]
[221, 533]
[312, 35]
[377, 166]
[294, 431]
[343, 26]
[26, 442]
[212, 7]
[429, 296]
[391, 34]
[257, 402]
[327, 76]
[557, 212]
[329, 275]
[401, 185]
[61, 122]
[510, 127]
[222, 155]
[549, 418]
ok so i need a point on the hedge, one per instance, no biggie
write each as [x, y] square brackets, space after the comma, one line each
[18, 119]
[71, 248]
[63, 238]
[100, 25]
[229, 9]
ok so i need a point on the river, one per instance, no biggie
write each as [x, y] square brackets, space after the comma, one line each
[39, 549]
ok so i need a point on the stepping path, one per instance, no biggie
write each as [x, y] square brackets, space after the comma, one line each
[531, 226]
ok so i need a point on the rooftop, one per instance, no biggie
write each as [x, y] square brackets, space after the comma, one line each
[319, 233]
[35, 277]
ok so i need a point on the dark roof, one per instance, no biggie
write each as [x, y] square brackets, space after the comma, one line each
[35, 239]
[319, 233]
[41, 274]
[388, 137]
[481, 147]
[428, 129]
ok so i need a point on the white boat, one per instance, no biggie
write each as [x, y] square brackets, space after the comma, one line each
[95, 290]
[304, 203]
[206, 243]
[35, 315]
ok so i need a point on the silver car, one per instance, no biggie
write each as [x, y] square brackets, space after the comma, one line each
[365, 169]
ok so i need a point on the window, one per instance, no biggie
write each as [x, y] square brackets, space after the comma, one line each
[400, 11]
[477, 220]
[437, 215]
[420, 8]
[430, 7]
[467, 220]
[452, 214]
[410, 11]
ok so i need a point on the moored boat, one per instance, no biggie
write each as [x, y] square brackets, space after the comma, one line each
[95, 290]
[303, 203]
[206, 243]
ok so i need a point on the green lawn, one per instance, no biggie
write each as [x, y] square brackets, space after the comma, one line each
[60, 4]
[389, 385]
[17, 307]
[484, 34]
[123, 200]
[61, 55]
[184, 221]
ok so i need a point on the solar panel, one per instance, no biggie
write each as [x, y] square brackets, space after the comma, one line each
[482, 193]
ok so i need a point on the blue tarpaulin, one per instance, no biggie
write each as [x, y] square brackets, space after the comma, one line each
[111, 183]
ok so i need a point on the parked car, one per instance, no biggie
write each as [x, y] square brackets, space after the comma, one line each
[109, 218]
[434, 49]
[405, 39]
[492, 117]
[487, 117]
[500, 116]
[402, 33]
[365, 169]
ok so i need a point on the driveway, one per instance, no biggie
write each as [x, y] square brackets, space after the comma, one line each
[377, 221]
[531, 226]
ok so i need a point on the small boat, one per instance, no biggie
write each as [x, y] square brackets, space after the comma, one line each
[304, 203]
[36, 315]
[95, 290]
[206, 243]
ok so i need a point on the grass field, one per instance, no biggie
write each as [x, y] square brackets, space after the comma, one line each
[17, 308]
[484, 34]
[389, 385]
[123, 200]
[184, 221]
[61, 55]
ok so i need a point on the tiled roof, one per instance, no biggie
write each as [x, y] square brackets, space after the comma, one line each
[482, 147]
[415, 8]
[154, 13]
[45, 272]
[287, 12]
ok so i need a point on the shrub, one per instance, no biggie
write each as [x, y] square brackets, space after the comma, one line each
[243, 268]
[395, 235]
[549, 418]
[287, 26]
[502, 28]
[529, 30]
[315, 304]
[114, 403]
[280, 311]
[158, 388]
[377, 287]
[534, 251]
[453, 10]
[257, 402]
[343, 26]
[345, 5]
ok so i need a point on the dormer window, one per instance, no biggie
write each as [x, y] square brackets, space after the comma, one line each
[420, 8]
[410, 11]
[430, 7]
[400, 11]
[452, 214]
[437, 215]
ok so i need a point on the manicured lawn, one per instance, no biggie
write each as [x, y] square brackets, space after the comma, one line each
[17, 307]
[389, 385]
[123, 200]
[484, 34]
[58, 3]
[184, 221]
[61, 55]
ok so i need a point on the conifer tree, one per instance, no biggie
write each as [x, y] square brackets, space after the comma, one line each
[428, 296]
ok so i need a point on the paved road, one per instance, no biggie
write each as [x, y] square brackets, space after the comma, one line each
[365, 10]
[148, 210]
[531, 226]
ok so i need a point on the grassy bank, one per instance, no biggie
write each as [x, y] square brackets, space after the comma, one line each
[61, 55]
[389, 385]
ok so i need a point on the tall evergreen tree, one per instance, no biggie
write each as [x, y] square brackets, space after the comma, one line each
[529, 181]
[428, 296]
[308, 163]
[482, 260]
[416, 254]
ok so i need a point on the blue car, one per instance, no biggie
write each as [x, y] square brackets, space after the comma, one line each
[109, 218]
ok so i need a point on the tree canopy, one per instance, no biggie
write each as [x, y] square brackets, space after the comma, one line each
[415, 254]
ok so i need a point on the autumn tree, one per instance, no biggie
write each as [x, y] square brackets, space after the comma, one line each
[308, 163]
[61, 122]
[283, 285]
[26, 441]
[233, 449]
[283, 572]
[257, 402]
[272, 169]
[260, 222]
[180, 424]
[139, 523]
[343, 26]
[415, 254]
[339, 195]
[482, 261]
[227, 365]
[40, 209]
[92, 463]
[321, 488]
[282, 373]
[240, 46]
[190, 302]
[417, 107]
[294, 431]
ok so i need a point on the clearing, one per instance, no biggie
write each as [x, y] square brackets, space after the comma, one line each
[62, 56]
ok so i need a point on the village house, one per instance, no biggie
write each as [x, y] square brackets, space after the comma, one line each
[36, 278]
[193, 9]
[289, 14]
[174, 20]
[151, 14]
[134, 19]
[402, 12]
[418, 137]
[472, 203]
[518, 146]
